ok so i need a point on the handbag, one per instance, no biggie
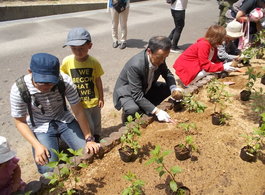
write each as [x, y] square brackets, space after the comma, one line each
[119, 5]
[244, 40]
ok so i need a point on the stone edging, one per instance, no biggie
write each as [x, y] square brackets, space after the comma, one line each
[114, 138]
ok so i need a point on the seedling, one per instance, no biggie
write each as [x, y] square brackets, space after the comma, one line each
[136, 187]
[187, 127]
[133, 130]
[258, 104]
[157, 156]
[193, 105]
[252, 77]
[58, 179]
[189, 143]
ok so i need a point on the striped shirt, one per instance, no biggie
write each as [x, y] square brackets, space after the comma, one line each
[45, 106]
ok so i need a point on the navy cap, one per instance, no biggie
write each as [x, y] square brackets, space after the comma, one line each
[77, 37]
[45, 68]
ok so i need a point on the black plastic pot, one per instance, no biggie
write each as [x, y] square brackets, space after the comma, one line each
[127, 154]
[183, 190]
[222, 74]
[245, 95]
[247, 155]
[182, 153]
[177, 106]
[217, 118]
[263, 79]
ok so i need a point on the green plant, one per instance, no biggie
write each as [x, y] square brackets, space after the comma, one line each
[256, 48]
[57, 180]
[136, 185]
[189, 143]
[258, 98]
[132, 130]
[157, 156]
[187, 126]
[254, 142]
[192, 104]
[218, 95]
[252, 77]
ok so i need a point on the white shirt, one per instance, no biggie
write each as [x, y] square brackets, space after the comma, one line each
[179, 5]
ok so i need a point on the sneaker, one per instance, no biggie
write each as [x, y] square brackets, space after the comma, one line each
[115, 44]
[175, 50]
[123, 45]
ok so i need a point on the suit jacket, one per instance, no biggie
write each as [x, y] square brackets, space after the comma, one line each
[132, 81]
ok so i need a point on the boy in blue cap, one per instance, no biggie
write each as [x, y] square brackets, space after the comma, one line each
[45, 117]
[86, 73]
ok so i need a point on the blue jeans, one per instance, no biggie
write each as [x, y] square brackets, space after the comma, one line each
[70, 133]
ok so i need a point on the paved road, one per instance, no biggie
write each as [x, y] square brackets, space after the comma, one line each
[21, 38]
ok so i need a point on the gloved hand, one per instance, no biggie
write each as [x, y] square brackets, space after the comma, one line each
[163, 116]
[177, 94]
[229, 68]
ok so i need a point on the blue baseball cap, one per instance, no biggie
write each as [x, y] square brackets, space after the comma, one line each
[45, 68]
[77, 37]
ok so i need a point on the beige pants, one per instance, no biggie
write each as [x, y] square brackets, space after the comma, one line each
[122, 19]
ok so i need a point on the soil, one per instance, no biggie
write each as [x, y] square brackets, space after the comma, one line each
[215, 169]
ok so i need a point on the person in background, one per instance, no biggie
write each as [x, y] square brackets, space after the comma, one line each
[10, 173]
[224, 5]
[227, 51]
[137, 88]
[178, 9]
[200, 59]
[119, 17]
[86, 73]
[240, 11]
[47, 118]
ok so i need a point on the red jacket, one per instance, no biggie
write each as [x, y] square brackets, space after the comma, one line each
[195, 59]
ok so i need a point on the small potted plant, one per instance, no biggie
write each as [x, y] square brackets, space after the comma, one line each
[157, 156]
[249, 151]
[245, 94]
[129, 145]
[218, 96]
[183, 150]
[188, 127]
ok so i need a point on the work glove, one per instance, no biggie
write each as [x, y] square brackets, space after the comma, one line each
[163, 116]
[177, 95]
[229, 68]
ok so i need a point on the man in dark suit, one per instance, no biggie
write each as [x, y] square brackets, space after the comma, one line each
[137, 88]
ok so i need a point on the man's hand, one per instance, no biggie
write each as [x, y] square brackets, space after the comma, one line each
[163, 116]
[42, 155]
[92, 147]
[177, 94]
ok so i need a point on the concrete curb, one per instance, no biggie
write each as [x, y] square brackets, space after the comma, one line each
[20, 12]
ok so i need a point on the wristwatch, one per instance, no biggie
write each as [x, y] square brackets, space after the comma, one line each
[90, 139]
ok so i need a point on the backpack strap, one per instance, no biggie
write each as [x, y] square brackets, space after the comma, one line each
[61, 89]
[25, 95]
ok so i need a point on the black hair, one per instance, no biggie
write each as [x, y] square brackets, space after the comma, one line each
[159, 42]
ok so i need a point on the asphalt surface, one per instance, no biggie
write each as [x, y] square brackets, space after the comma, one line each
[19, 39]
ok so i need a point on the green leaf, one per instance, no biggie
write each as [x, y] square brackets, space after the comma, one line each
[52, 164]
[175, 169]
[126, 191]
[83, 165]
[65, 171]
[173, 186]
[161, 173]
[52, 189]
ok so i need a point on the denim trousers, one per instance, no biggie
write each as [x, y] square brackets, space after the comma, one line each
[70, 133]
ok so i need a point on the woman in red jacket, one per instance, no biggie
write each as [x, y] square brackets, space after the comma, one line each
[200, 59]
